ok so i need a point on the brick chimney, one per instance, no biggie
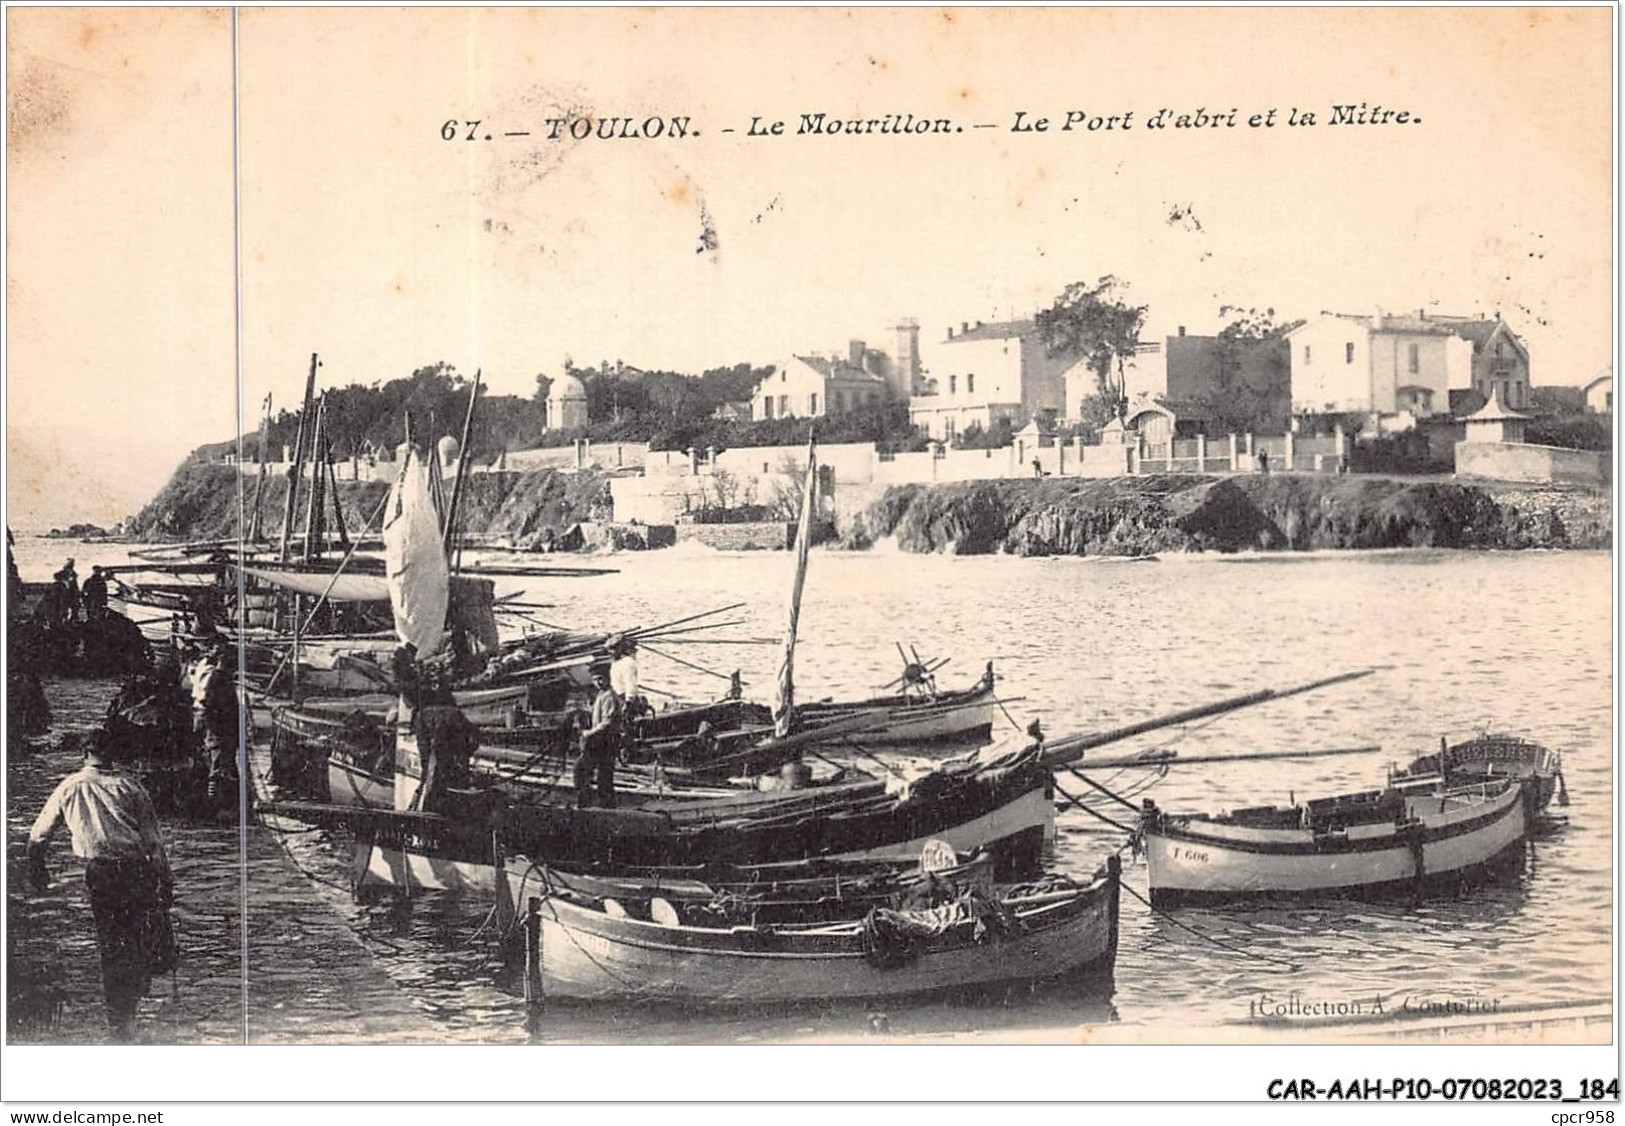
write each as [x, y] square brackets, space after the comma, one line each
[854, 353]
[1182, 330]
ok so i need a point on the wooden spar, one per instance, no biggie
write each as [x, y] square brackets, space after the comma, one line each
[293, 654]
[1158, 756]
[784, 708]
[1071, 748]
[318, 485]
[851, 725]
[259, 483]
[298, 457]
[333, 490]
[450, 533]
[331, 583]
[691, 618]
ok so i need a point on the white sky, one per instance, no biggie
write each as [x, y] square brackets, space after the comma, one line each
[367, 238]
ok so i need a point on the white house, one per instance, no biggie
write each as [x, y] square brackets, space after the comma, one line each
[1391, 364]
[1599, 394]
[986, 373]
[811, 386]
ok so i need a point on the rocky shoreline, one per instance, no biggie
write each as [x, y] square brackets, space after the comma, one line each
[1031, 517]
[1181, 513]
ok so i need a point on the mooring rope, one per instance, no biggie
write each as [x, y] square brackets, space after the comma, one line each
[1131, 830]
[1096, 786]
[1205, 937]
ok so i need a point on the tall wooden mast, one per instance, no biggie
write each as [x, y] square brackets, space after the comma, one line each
[305, 422]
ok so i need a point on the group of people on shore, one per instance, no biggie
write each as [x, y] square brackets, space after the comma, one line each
[71, 631]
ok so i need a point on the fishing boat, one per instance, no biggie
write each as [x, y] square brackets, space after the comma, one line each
[1485, 758]
[952, 719]
[642, 948]
[1003, 801]
[1004, 805]
[1367, 844]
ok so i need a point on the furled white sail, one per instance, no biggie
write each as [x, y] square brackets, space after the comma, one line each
[784, 708]
[414, 561]
[320, 584]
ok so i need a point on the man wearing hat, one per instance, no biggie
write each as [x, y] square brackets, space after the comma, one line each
[600, 746]
[115, 831]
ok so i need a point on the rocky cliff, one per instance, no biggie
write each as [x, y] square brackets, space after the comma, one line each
[1143, 515]
[201, 502]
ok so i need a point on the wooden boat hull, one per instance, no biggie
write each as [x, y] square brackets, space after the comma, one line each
[1013, 826]
[349, 783]
[1192, 860]
[956, 719]
[1022, 824]
[950, 725]
[589, 955]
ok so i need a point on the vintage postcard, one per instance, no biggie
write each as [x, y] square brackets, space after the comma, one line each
[813, 526]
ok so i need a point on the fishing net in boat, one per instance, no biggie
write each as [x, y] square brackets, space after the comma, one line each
[893, 938]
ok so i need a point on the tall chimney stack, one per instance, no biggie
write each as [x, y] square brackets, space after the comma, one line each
[906, 374]
[854, 353]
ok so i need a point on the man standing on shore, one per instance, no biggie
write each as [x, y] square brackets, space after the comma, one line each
[216, 720]
[93, 595]
[115, 831]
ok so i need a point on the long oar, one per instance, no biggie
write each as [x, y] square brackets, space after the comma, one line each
[690, 618]
[1158, 757]
[1071, 748]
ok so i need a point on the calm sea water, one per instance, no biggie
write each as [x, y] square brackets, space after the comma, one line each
[1465, 642]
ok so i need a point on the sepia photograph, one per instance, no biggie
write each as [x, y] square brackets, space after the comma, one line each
[813, 527]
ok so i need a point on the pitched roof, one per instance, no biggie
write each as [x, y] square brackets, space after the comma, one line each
[996, 330]
[1605, 377]
[1475, 330]
[831, 368]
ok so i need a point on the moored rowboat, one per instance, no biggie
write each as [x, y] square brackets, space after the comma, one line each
[1362, 844]
[591, 950]
[1485, 758]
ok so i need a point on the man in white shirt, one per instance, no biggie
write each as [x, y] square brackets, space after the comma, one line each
[623, 670]
[600, 747]
[115, 831]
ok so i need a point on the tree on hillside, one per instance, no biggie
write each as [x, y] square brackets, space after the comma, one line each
[1093, 322]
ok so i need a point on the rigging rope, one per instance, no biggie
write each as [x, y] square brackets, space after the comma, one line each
[1131, 830]
[647, 648]
[1093, 785]
[1205, 937]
